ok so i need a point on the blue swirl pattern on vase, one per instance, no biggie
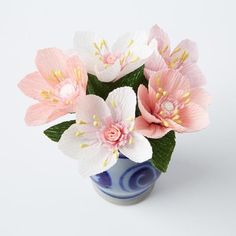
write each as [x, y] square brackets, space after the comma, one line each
[138, 177]
[103, 180]
[126, 180]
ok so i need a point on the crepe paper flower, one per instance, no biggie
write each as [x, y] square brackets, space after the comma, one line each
[170, 103]
[57, 86]
[111, 63]
[103, 129]
[183, 58]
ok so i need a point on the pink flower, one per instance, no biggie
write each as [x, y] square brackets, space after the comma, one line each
[183, 58]
[170, 103]
[103, 129]
[57, 85]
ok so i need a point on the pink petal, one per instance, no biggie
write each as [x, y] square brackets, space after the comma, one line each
[42, 113]
[145, 106]
[200, 97]
[76, 70]
[150, 130]
[33, 84]
[51, 60]
[188, 47]
[154, 64]
[162, 40]
[171, 81]
[194, 117]
[194, 75]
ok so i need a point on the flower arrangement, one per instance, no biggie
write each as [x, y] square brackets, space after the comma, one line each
[130, 98]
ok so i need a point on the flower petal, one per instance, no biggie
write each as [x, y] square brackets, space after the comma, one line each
[33, 84]
[90, 107]
[194, 75]
[171, 81]
[162, 40]
[93, 159]
[187, 50]
[109, 74]
[51, 63]
[84, 44]
[145, 105]
[139, 55]
[139, 150]
[200, 97]
[77, 71]
[150, 130]
[42, 113]
[122, 103]
[194, 117]
[154, 64]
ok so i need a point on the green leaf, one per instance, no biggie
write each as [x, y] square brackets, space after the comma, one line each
[162, 150]
[55, 132]
[102, 89]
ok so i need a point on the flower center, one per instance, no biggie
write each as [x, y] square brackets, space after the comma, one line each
[109, 58]
[112, 133]
[168, 106]
[67, 91]
[115, 135]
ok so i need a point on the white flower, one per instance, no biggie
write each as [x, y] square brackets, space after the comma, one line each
[103, 129]
[127, 54]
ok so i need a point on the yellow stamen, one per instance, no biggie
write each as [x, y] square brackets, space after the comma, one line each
[45, 94]
[96, 123]
[81, 122]
[165, 123]
[83, 145]
[184, 56]
[79, 133]
[135, 59]
[176, 117]
[175, 51]
[187, 94]
[104, 163]
[131, 140]
[162, 113]
[58, 74]
[178, 122]
[131, 41]
[164, 93]
[163, 50]
[158, 79]
[96, 46]
[158, 95]
[113, 103]
[77, 73]
[68, 102]
[116, 154]
[54, 100]
[187, 101]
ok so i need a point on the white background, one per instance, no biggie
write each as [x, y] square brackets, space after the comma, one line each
[41, 192]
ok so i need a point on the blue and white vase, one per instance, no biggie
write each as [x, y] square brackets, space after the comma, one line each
[126, 182]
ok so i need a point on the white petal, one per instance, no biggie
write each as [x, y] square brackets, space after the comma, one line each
[109, 74]
[98, 162]
[141, 54]
[139, 150]
[92, 107]
[128, 40]
[92, 159]
[70, 141]
[122, 103]
[84, 45]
